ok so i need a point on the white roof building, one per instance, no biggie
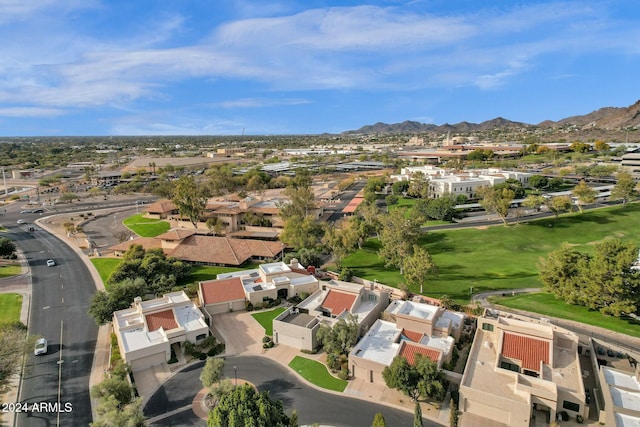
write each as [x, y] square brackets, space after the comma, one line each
[147, 330]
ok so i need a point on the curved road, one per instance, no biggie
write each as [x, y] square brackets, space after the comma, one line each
[171, 404]
[58, 382]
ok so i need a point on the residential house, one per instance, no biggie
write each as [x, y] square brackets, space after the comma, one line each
[409, 328]
[195, 248]
[335, 300]
[147, 331]
[617, 384]
[518, 370]
[231, 291]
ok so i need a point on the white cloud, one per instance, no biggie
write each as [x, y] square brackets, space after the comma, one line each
[30, 112]
[261, 102]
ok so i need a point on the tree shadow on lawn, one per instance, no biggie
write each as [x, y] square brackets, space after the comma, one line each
[574, 220]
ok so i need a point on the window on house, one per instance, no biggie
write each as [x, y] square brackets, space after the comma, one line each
[487, 327]
[510, 366]
[201, 337]
[571, 406]
[530, 373]
[373, 297]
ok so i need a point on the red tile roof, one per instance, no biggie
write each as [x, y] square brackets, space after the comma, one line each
[163, 319]
[223, 290]
[176, 234]
[146, 242]
[409, 351]
[161, 206]
[413, 336]
[337, 302]
[528, 350]
[353, 205]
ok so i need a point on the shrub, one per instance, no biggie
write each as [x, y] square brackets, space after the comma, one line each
[346, 274]
[249, 306]
[266, 339]
[579, 419]
[343, 374]
[202, 356]
[172, 360]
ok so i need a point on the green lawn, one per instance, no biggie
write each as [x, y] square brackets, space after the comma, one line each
[265, 318]
[547, 305]
[146, 227]
[316, 373]
[105, 266]
[200, 273]
[500, 257]
[10, 306]
[10, 270]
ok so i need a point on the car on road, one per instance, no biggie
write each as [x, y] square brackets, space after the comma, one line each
[41, 347]
[21, 221]
[37, 211]
[23, 211]
[50, 263]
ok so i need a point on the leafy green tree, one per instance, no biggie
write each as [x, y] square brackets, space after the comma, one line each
[110, 414]
[626, 188]
[579, 147]
[118, 388]
[419, 186]
[442, 208]
[603, 281]
[514, 185]
[480, 155]
[418, 267]
[560, 273]
[190, 197]
[301, 202]
[302, 232]
[7, 247]
[558, 204]
[339, 338]
[341, 238]
[398, 234]
[379, 421]
[212, 371]
[423, 379]
[538, 181]
[585, 194]
[534, 201]
[244, 406]
[370, 215]
[293, 420]
[399, 187]
[497, 200]
[417, 415]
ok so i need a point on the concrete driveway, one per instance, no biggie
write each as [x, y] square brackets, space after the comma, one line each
[240, 332]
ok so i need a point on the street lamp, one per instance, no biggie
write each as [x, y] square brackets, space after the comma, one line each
[235, 373]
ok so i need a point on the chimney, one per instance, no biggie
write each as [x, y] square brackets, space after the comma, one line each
[294, 263]
[136, 302]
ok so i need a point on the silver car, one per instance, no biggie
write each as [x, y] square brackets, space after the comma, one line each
[41, 347]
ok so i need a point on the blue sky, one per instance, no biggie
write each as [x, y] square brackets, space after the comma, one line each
[213, 67]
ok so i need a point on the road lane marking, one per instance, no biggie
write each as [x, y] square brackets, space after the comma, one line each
[60, 361]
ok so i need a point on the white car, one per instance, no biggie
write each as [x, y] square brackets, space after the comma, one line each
[21, 221]
[41, 347]
[50, 263]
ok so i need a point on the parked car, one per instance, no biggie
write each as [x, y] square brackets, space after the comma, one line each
[50, 263]
[41, 347]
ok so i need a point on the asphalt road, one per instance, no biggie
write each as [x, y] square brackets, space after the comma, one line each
[313, 406]
[58, 382]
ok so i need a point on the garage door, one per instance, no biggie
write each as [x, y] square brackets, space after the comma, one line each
[148, 361]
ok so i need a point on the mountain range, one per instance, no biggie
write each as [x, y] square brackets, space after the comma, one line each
[607, 120]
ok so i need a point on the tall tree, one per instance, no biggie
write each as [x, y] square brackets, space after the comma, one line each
[302, 232]
[398, 235]
[190, 197]
[418, 267]
[497, 200]
[339, 338]
[7, 247]
[560, 273]
[534, 201]
[423, 379]
[341, 238]
[419, 186]
[212, 371]
[558, 204]
[584, 194]
[626, 188]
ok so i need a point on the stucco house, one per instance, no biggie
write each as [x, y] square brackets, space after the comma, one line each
[190, 246]
[231, 291]
[519, 369]
[147, 331]
[335, 300]
[409, 328]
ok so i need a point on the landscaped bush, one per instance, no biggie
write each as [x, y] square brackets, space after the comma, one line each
[266, 339]
[202, 356]
[343, 374]
[249, 306]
